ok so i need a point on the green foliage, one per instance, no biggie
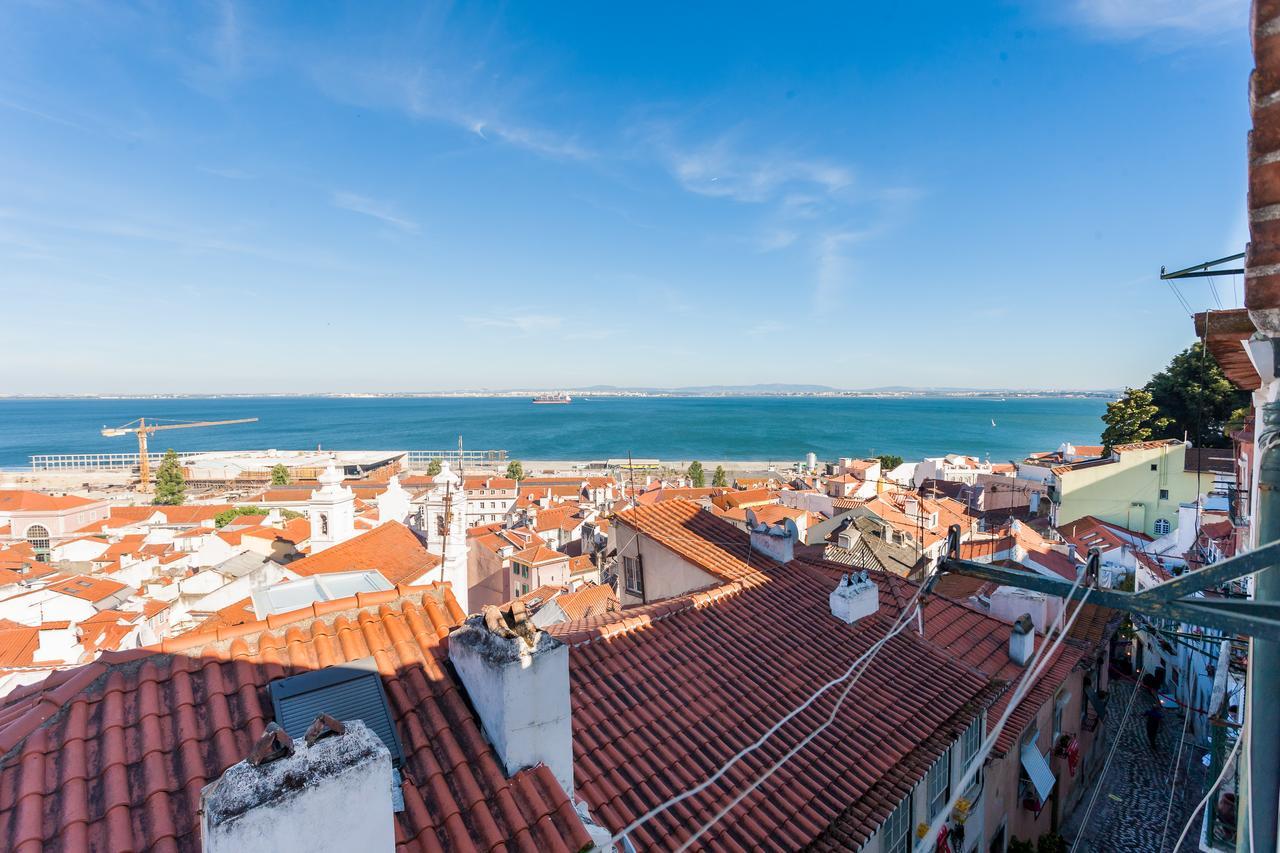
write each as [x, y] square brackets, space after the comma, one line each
[719, 478]
[515, 470]
[696, 475]
[1134, 417]
[171, 484]
[1017, 845]
[227, 516]
[1051, 842]
[889, 461]
[433, 468]
[290, 515]
[1196, 398]
[280, 475]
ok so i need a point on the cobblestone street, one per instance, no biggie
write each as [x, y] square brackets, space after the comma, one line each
[1132, 811]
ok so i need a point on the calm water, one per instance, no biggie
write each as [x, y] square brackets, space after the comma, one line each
[668, 428]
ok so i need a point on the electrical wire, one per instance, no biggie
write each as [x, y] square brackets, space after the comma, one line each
[791, 752]
[1226, 765]
[1097, 788]
[864, 659]
[1035, 666]
[1173, 785]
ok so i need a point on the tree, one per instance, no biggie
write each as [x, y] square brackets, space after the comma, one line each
[171, 484]
[1195, 398]
[227, 516]
[280, 475]
[433, 467]
[1131, 418]
[719, 478]
[696, 475]
[889, 461]
[515, 470]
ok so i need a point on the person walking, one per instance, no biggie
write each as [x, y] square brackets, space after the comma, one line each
[1155, 716]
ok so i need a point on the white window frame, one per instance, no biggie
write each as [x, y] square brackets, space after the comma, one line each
[898, 829]
[938, 784]
[970, 743]
[1163, 527]
[632, 581]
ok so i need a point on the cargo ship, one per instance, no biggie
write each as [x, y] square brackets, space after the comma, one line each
[559, 397]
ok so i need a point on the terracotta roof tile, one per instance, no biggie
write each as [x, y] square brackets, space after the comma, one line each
[663, 694]
[113, 755]
[390, 549]
[712, 544]
[24, 500]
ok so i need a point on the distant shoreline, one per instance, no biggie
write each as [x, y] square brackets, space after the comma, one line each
[506, 395]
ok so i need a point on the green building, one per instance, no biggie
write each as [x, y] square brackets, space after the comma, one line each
[1138, 487]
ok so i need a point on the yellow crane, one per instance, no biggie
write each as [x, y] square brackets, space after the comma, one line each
[142, 429]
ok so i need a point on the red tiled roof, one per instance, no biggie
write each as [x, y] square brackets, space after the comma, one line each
[654, 496]
[592, 600]
[663, 694]
[113, 755]
[88, 588]
[746, 498]
[390, 549]
[580, 563]
[18, 644]
[538, 555]
[714, 545]
[23, 500]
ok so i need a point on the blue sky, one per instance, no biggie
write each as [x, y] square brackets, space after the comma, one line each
[238, 197]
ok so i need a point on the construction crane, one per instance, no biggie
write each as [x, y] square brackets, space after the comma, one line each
[142, 429]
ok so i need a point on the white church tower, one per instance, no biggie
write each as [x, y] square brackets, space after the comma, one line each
[446, 529]
[332, 511]
[394, 502]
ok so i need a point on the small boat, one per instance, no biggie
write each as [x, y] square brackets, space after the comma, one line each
[559, 397]
[993, 422]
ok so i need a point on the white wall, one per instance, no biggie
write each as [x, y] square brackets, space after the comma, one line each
[666, 574]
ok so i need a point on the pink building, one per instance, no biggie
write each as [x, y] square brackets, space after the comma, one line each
[42, 519]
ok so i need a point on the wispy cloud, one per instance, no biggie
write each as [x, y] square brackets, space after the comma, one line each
[1139, 18]
[722, 168]
[376, 209]
[228, 173]
[516, 321]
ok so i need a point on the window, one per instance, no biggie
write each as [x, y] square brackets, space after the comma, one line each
[1059, 705]
[1164, 494]
[938, 784]
[897, 829]
[1162, 524]
[324, 524]
[970, 742]
[38, 537]
[631, 577]
[1155, 467]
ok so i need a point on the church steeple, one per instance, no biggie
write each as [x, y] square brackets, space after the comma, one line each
[332, 511]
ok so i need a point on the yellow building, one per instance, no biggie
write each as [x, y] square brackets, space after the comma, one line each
[1138, 487]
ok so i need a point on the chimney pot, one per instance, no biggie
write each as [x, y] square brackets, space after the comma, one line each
[517, 678]
[1022, 640]
[777, 540]
[334, 794]
[855, 597]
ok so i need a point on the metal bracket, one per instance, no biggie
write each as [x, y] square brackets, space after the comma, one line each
[1171, 600]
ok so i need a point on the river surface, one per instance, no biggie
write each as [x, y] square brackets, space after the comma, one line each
[676, 428]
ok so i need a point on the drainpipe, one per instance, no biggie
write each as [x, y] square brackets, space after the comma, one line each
[1263, 730]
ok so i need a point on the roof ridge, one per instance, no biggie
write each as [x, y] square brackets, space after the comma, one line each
[315, 610]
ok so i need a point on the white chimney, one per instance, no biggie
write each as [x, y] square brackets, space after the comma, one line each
[58, 641]
[517, 678]
[1022, 640]
[855, 597]
[773, 540]
[333, 794]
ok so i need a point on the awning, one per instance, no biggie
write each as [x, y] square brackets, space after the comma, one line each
[1038, 769]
